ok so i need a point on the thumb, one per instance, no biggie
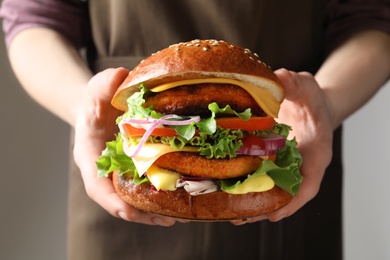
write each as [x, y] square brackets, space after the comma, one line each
[105, 83]
[293, 83]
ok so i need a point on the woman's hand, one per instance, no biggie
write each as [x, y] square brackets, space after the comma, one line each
[307, 110]
[95, 126]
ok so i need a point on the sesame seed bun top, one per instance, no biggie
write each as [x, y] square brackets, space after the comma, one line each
[199, 59]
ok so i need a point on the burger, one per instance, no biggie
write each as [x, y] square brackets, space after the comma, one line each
[198, 139]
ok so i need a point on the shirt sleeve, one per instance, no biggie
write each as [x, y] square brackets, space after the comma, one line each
[68, 17]
[347, 17]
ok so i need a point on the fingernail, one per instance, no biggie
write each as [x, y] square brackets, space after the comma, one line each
[238, 222]
[276, 218]
[160, 222]
[122, 215]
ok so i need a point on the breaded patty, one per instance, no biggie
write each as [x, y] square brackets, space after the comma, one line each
[194, 99]
[193, 164]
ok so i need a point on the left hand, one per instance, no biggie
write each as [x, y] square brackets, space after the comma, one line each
[307, 110]
[94, 127]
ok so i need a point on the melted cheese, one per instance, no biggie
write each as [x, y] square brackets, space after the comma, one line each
[162, 179]
[151, 152]
[257, 183]
[263, 98]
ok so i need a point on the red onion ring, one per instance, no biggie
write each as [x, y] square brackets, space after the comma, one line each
[255, 152]
[154, 123]
[163, 120]
[272, 143]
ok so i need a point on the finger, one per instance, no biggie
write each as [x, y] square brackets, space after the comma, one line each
[102, 191]
[159, 220]
[313, 171]
[294, 84]
[288, 82]
[97, 112]
[249, 220]
[306, 193]
[105, 83]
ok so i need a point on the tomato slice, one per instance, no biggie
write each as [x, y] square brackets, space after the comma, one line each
[254, 123]
[138, 132]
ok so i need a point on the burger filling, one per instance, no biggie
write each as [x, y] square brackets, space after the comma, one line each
[195, 137]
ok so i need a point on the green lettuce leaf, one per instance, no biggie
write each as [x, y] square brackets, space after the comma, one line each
[208, 126]
[223, 143]
[227, 110]
[281, 129]
[135, 104]
[284, 172]
[114, 159]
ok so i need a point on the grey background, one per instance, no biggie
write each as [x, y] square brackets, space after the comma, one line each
[33, 174]
[33, 181]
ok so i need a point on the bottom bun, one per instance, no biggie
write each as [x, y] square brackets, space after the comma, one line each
[215, 206]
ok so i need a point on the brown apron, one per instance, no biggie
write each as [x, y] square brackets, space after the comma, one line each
[287, 35]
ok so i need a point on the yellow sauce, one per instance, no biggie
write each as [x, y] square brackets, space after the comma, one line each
[257, 183]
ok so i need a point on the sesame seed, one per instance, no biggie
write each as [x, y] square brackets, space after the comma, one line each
[205, 49]
[213, 42]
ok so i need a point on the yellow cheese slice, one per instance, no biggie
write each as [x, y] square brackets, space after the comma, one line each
[151, 152]
[263, 98]
[162, 179]
[257, 183]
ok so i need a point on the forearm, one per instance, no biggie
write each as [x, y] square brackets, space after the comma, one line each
[50, 70]
[354, 72]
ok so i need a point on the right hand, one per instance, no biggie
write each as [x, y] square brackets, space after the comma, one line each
[307, 110]
[95, 126]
